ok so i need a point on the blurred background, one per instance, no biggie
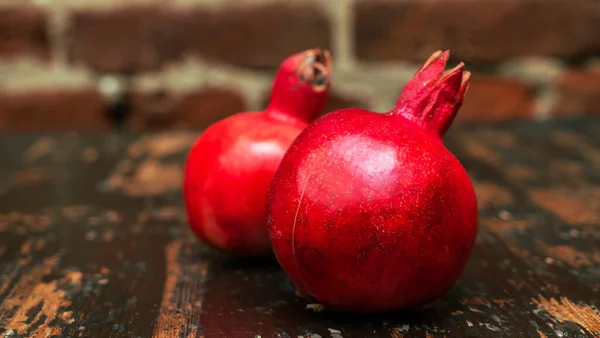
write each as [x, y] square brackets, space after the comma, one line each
[152, 64]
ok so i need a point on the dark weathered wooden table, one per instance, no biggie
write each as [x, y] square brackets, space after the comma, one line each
[94, 243]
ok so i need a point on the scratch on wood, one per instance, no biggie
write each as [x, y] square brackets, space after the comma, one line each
[519, 172]
[149, 178]
[67, 317]
[36, 301]
[499, 226]
[472, 309]
[569, 254]
[502, 303]
[572, 206]
[26, 247]
[478, 150]
[8, 275]
[119, 175]
[108, 235]
[396, 333]
[136, 149]
[51, 298]
[75, 212]
[576, 142]
[517, 285]
[476, 301]
[552, 288]
[169, 143]
[124, 166]
[113, 216]
[161, 145]
[42, 147]
[490, 194]
[570, 169]
[170, 322]
[152, 177]
[564, 310]
[25, 223]
[168, 213]
[501, 138]
[32, 175]
[90, 155]
[177, 305]
[24, 284]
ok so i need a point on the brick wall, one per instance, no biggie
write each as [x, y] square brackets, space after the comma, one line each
[143, 64]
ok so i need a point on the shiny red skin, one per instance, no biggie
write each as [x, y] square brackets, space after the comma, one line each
[370, 212]
[227, 177]
[230, 166]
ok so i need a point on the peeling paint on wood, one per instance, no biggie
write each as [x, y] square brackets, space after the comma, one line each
[170, 322]
[32, 175]
[29, 292]
[582, 206]
[148, 178]
[570, 255]
[491, 195]
[476, 301]
[500, 138]
[502, 227]
[21, 223]
[577, 143]
[169, 143]
[177, 305]
[519, 172]
[479, 150]
[40, 148]
[90, 155]
[564, 310]
[145, 173]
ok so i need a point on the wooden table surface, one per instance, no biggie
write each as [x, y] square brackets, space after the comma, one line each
[94, 243]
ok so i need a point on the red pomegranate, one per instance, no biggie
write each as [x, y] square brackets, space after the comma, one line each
[370, 212]
[230, 166]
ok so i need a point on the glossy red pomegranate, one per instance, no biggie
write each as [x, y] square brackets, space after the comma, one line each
[230, 166]
[370, 212]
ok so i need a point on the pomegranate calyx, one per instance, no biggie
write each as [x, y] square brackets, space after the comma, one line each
[433, 97]
[301, 86]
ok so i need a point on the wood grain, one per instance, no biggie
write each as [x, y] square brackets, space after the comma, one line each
[94, 243]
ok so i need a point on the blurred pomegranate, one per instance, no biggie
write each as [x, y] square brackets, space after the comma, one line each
[230, 166]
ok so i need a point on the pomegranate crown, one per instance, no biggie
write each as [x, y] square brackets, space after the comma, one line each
[433, 97]
[301, 85]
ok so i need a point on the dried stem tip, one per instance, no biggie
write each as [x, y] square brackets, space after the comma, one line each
[301, 86]
[315, 67]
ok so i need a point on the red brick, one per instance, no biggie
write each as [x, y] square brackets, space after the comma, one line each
[476, 30]
[56, 109]
[257, 35]
[134, 39]
[125, 40]
[494, 99]
[196, 110]
[23, 30]
[578, 92]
